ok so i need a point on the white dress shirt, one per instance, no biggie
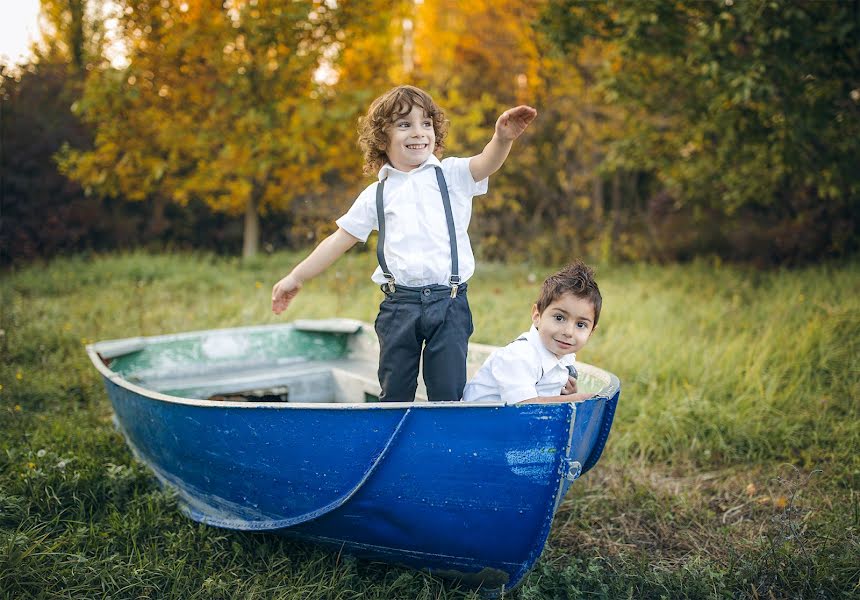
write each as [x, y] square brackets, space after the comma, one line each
[520, 371]
[417, 248]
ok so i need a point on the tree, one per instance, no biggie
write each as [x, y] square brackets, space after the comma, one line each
[482, 57]
[221, 102]
[751, 109]
[73, 34]
[42, 212]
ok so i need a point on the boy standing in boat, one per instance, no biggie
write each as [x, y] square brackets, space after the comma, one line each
[538, 367]
[421, 207]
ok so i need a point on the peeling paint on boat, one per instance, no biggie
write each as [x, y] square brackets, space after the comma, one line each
[532, 463]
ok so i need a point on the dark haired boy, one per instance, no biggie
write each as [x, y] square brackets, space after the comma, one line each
[534, 367]
[421, 207]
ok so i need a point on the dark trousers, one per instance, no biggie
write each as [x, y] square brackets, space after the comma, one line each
[414, 319]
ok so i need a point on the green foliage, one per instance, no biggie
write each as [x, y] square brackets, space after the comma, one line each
[547, 202]
[727, 374]
[221, 105]
[748, 107]
[42, 212]
[666, 130]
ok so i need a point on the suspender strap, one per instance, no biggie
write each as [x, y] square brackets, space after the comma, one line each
[454, 280]
[452, 235]
[380, 246]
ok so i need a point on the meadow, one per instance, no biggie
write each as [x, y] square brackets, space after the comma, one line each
[732, 471]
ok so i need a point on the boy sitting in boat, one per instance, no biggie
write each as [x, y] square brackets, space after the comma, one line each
[421, 207]
[537, 367]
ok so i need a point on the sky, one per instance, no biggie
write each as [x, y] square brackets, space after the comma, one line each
[18, 28]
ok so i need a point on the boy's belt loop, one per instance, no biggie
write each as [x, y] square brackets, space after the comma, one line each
[454, 280]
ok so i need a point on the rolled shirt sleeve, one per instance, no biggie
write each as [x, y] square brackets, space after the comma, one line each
[514, 376]
[360, 220]
[458, 174]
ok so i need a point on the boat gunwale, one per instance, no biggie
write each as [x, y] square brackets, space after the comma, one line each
[606, 392]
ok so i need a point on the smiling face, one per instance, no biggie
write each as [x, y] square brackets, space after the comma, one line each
[565, 325]
[411, 140]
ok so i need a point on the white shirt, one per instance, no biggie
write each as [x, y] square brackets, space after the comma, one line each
[417, 248]
[520, 371]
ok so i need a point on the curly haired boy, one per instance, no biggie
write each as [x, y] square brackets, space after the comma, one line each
[421, 206]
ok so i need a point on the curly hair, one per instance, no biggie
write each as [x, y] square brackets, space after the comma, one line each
[576, 278]
[386, 109]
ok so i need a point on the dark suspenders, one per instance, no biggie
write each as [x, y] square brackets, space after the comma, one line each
[454, 280]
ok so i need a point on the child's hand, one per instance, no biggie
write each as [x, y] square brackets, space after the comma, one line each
[569, 387]
[284, 292]
[514, 121]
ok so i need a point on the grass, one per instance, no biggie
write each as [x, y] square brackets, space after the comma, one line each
[733, 468]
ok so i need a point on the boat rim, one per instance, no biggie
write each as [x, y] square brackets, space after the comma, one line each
[606, 392]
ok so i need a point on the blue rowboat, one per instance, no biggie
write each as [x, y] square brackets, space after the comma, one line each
[279, 428]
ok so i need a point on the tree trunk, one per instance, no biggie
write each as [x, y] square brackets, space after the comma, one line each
[251, 236]
[610, 226]
[636, 204]
[615, 216]
[158, 224]
[596, 194]
[76, 35]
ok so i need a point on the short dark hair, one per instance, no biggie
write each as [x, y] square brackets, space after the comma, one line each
[386, 109]
[576, 278]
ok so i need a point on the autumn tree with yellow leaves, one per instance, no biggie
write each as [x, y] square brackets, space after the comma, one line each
[665, 130]
[227, 103]
[553, 199]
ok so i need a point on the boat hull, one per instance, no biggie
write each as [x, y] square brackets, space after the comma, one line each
[465, 490]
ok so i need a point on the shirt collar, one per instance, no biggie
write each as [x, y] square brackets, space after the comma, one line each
[386, 169]
[547, 358]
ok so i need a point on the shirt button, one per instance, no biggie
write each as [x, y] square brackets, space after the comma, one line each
[426, 291]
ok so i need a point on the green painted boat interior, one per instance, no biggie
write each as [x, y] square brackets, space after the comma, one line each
[227, 347]
[257, 365]
[270, 364]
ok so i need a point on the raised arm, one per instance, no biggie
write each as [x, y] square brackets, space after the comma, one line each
[326, 252]
[509, 126]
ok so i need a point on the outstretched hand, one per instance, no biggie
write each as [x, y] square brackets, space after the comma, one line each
[284, 292]
[513, 122]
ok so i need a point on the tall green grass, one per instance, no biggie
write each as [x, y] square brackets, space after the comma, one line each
[732, 469]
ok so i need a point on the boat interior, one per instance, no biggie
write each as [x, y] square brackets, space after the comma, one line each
[339, 381]
[331, 361]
